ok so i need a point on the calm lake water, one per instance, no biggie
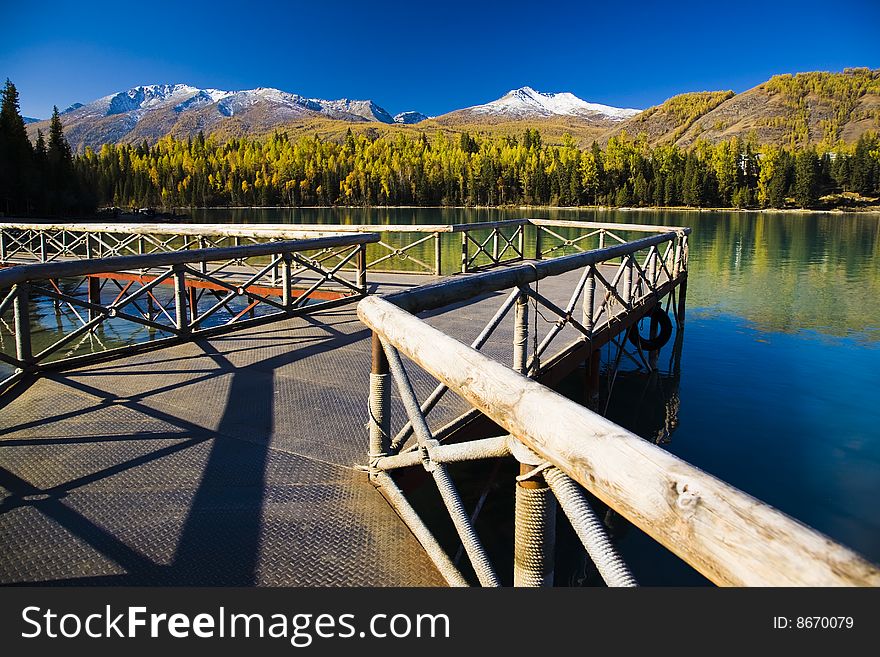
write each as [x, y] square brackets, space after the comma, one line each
[780, 362]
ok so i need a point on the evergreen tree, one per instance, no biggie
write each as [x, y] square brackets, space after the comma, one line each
[61, 183]
[41, 171]
[693, 186]
[806, 180]
[779, 182]
[16, 155]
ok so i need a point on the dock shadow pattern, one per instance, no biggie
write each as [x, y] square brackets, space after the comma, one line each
[231, 461]
[213, 463]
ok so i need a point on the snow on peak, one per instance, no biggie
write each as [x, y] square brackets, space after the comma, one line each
[410, 117]
[525, 102]
[147, 96]
[345, 108]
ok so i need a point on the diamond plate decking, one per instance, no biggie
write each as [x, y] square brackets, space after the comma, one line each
[229, 461]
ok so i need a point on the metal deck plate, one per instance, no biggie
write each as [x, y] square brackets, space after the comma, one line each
[230, 461]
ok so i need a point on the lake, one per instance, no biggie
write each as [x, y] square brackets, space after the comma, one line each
[780, 361]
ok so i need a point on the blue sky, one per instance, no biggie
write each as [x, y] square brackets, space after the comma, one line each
[431, 57]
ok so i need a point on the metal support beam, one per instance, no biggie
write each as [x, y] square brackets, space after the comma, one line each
[589, 529]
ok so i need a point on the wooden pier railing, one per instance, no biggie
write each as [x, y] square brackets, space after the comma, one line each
[154, 300]
[564, 448]
[424, 249]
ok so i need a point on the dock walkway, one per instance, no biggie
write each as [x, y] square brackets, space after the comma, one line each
[234, 460]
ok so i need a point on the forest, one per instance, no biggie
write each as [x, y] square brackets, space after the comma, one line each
[45, 178]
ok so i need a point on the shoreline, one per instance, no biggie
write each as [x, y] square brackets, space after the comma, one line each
[581, 208]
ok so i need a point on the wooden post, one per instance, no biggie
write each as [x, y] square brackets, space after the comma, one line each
[682, 294]
[602, 238]
[379, 402]
[534, 531]
[495, 232]
[589, 298]
[538, 231]
[203, 264]
[653, 356]
[464, 252]
[22, 319]
[676, 263]
[287, 283]
[180, 299]
[2, 246]
[94, 295]
[437, 255]
[521, 241]
[521, 334]
[89, 253]
[593, 364]
[193, 303]
[361, 268]
[628, 281]
[43, 254]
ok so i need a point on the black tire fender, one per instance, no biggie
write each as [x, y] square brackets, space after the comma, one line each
[647, 344]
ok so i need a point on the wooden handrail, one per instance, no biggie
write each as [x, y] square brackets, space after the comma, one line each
[298, 231]
[451, 290]
[727, 535]
[68, 268]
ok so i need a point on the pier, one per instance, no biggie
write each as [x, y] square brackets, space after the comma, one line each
[232, 404]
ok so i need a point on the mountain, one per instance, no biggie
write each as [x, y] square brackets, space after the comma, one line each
[28, 119]
[526, 103]
[667, 122]
[408, 118]
[150, 112]
[815, 108]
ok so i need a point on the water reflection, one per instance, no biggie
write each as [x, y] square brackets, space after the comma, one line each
[782, 271]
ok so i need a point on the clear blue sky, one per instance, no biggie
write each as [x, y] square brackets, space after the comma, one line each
[428, 56]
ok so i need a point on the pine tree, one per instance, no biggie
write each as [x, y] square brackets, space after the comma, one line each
[693, 186]
[806, 179]
[16, 155]
[61, 184]
[41, 171]
[778, 184]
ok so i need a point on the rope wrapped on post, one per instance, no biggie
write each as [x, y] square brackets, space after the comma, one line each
[534, 535]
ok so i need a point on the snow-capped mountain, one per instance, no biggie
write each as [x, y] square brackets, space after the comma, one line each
[152, 111]
[525, 102]
[149, 112]
[409, 118]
